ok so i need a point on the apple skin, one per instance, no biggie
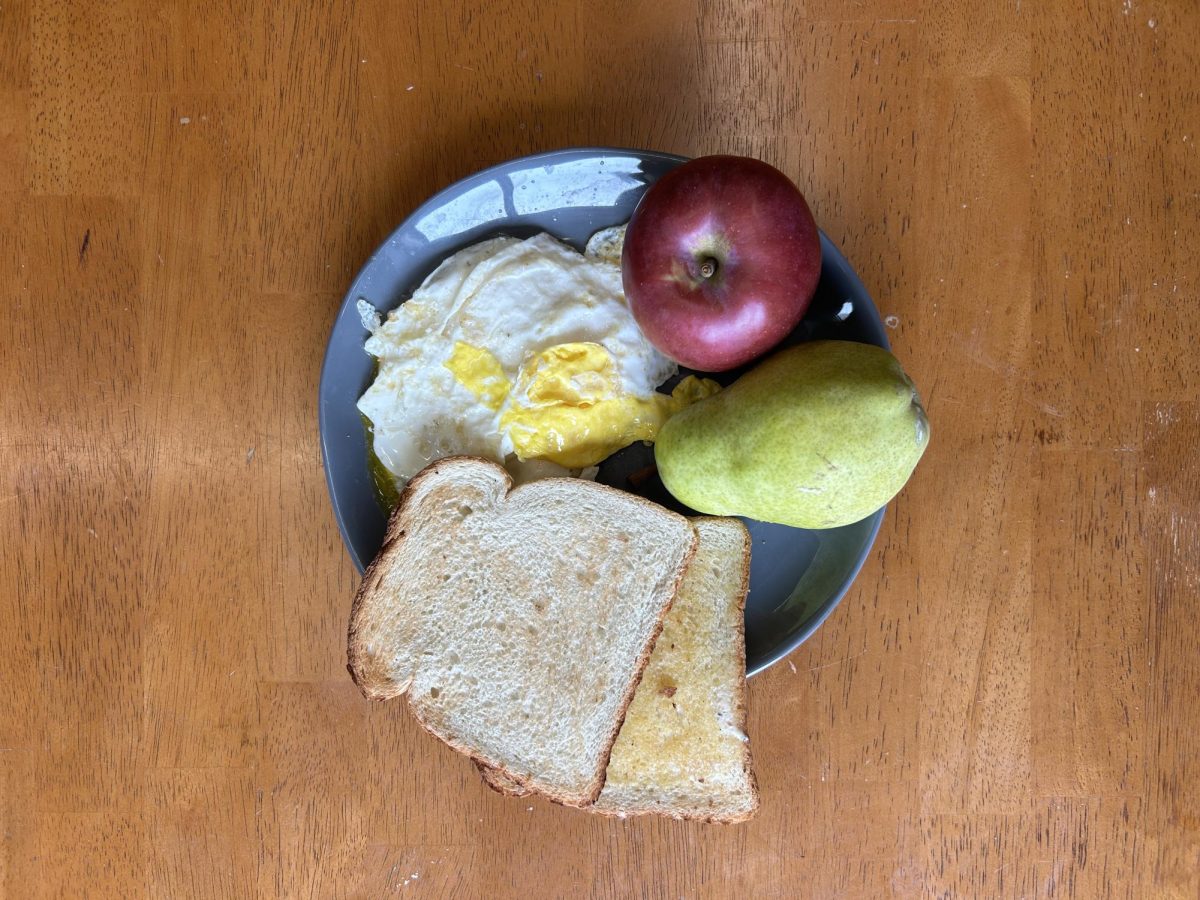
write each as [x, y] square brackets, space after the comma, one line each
[721, 260]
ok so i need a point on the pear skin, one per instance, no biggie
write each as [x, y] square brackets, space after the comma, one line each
[818, 435]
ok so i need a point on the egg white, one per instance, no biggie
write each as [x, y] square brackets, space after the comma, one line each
[513, 298]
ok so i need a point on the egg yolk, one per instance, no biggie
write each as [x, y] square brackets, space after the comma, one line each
[480, 373]
[570, 407]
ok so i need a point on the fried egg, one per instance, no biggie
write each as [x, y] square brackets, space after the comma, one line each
[523, 352]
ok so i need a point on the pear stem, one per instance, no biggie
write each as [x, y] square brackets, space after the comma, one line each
[708, 268]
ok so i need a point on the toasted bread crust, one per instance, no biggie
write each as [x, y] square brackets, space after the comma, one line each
[375, 681]
[501, 784]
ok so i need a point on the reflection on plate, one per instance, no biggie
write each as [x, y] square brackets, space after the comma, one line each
[796, 576]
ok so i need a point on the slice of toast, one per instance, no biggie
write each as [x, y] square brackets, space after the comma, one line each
[682, 751]
[518, 620]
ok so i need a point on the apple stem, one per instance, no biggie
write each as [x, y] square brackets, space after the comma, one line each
[708, 268]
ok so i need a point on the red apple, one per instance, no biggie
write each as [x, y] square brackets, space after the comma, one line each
[721, 260]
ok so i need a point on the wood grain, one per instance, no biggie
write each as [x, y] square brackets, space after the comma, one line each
[1005, 704]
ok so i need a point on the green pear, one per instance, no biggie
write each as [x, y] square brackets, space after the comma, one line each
[819, 435]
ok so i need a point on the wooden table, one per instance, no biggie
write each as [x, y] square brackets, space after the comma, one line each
[1005, 704]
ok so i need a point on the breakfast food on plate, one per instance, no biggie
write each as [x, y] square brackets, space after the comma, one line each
[523, 622]
[682, 750]
[820, 435]
[523, 352]
[721, 260]
[517, 621]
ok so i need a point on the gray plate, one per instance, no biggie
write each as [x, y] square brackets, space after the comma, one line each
[797, 576]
